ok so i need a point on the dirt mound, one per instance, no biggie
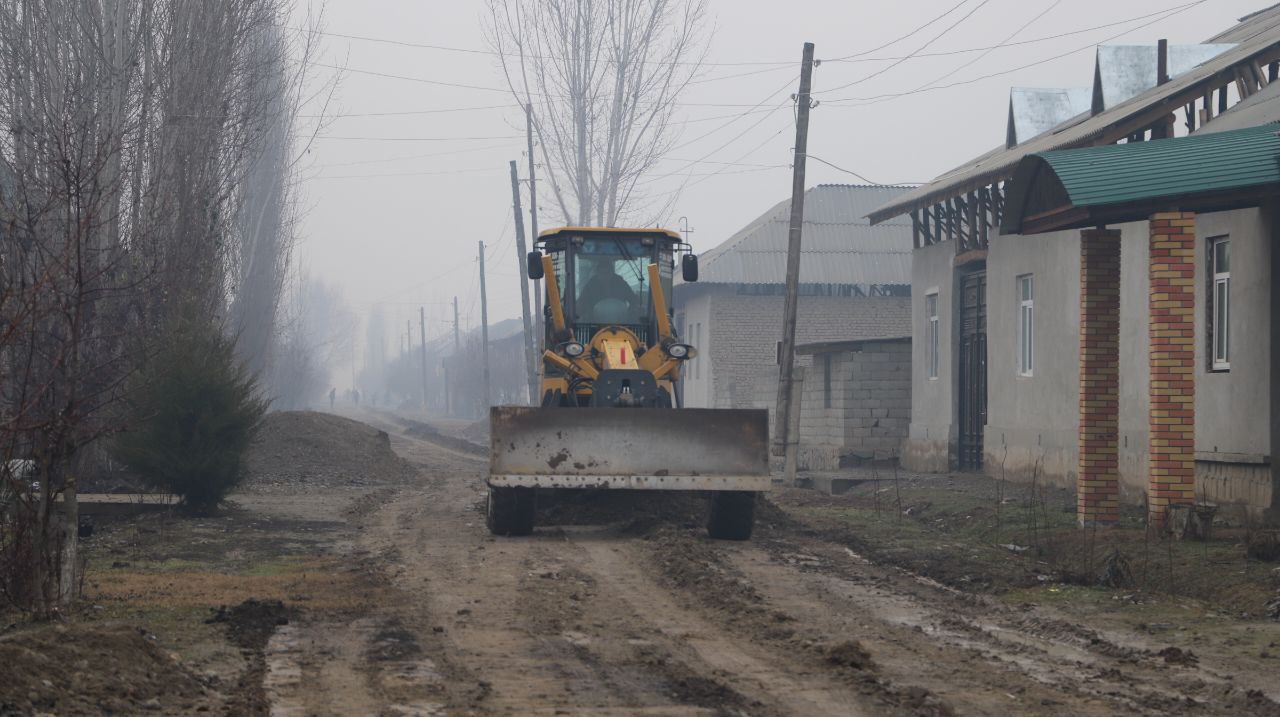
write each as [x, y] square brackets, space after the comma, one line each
[93, 670]
[250, 624]
[320, 449]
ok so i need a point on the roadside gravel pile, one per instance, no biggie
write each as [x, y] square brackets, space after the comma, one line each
[95, 670]
[306, 448]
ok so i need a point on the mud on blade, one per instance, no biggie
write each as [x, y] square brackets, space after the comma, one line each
[652, 448]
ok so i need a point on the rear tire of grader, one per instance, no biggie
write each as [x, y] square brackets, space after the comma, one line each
[509, 511]
[732, 515]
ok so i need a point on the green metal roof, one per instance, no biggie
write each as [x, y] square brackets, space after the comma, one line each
[1119, 182]
[1116, 173]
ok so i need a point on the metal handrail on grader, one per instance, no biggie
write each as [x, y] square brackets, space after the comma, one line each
[610, 414]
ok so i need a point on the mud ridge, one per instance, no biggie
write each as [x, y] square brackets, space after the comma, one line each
[694, 565]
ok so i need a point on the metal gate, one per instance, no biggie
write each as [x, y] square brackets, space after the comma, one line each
[973, 368]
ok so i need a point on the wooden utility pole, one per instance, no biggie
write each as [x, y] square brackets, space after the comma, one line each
[533, 229]
[484, 335]
[422, 326]
[785, 444]
[522, 276]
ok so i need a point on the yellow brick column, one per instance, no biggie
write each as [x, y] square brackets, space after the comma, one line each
[1172, 389]
[1098, 477]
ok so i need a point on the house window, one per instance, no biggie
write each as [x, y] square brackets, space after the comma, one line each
[1220, 302]
[1026, 324]
[931, 311]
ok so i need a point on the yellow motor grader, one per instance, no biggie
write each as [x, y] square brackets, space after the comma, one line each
[610, 414]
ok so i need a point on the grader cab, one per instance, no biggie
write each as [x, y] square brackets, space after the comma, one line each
[610, 414]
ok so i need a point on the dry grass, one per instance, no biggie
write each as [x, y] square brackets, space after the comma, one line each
[315, 583]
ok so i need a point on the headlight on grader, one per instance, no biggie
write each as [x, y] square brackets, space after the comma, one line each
[573, 349]
[679, 351]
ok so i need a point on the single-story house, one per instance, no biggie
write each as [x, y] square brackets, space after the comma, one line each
[1092, 299]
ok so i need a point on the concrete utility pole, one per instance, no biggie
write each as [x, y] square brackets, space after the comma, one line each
[450, 391]
[522, 276]
[422, 325]
[533, 230]
[484, 334]
[785, 444]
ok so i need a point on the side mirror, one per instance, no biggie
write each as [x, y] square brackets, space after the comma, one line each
[534, 265]
[689, 267]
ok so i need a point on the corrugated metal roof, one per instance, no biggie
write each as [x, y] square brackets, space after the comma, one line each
[1250, 26]
[1138, 171]
[1124, 71]
[1257, 109]
[1260, 42]
[839, 245]
[1035, 110]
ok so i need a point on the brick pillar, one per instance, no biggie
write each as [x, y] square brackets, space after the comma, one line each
[1098, 479]
[1172, 388]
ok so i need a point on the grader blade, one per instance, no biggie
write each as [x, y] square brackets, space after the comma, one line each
[697, 449]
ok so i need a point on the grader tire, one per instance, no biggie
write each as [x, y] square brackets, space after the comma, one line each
[509, 511]
[732, 515]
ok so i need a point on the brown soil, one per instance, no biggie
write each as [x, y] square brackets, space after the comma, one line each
[398, 601]
[87, 669]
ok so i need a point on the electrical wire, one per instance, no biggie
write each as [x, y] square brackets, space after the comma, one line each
[923, 47]
[494, 53]
[475, 170]
[418, 139]
[896, 40]
[859, 176]
[470, 150]
[1007, 38]
[875, 99]
[1018, 43]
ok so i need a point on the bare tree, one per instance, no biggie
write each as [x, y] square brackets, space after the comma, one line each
[128, 132]
[604, 77]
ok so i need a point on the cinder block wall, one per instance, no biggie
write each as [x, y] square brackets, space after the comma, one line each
[869, 405]
[745, 331]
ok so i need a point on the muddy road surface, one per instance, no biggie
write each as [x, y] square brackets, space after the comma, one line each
[645, 616]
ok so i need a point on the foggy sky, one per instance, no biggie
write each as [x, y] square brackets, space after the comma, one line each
[408, 236]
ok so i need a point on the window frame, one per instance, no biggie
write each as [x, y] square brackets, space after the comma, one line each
[1025, 332]
[1219, 305]
[933, 332]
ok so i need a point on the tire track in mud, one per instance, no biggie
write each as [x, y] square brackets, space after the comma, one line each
[973, 651]
[507, 609]
[612, 620]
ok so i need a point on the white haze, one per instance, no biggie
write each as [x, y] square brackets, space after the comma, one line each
[408, 238]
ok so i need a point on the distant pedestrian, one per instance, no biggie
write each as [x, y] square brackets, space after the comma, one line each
[333, 396]
[355, 395]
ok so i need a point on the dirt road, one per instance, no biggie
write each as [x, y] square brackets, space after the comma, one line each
[655, 619]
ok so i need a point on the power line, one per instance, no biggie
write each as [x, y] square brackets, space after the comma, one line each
[1018, 43]
[469, 150]
[896, 40]
[1009, 37]
[342, 115]
[874, 99]
[859, 176]
[475, 170]
[418, 139]
[931, 40]
[494, 53]
[504, 90]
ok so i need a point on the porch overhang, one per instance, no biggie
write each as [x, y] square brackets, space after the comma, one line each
[1111, 184]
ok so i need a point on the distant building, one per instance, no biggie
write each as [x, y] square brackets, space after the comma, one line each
[854, 285]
